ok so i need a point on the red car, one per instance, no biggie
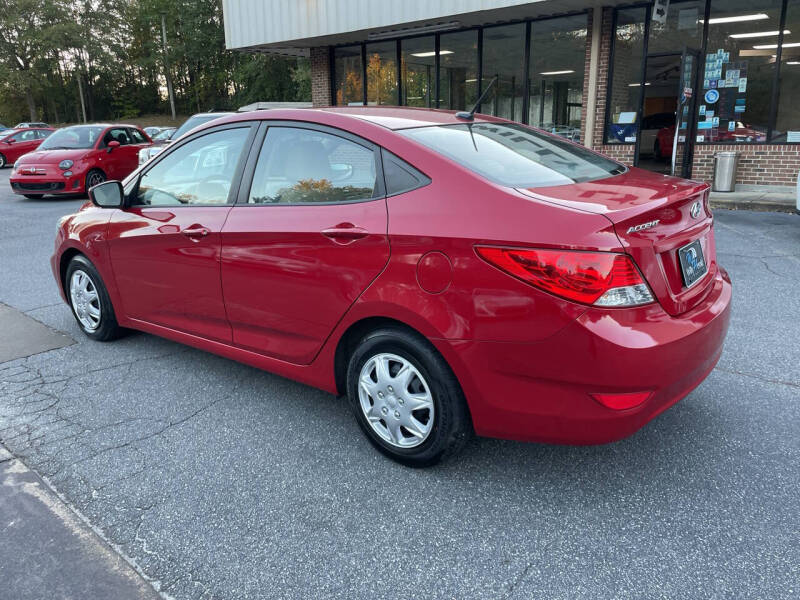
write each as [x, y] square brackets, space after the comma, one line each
[17, 142]
[743, 133]
[76, 158]
[447, 275]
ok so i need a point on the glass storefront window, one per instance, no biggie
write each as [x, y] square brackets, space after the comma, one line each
[382, 73]
[624, 96]
[787, 123]
[738, 71]
[458, 69]
[683, 29]
[418, 68]
[555, 80]
[349, 75]
[504, 58]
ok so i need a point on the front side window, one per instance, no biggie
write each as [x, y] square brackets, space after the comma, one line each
[117, 134]
[300, 166]
[137, 137]
[514, 155]
[25, 136]
[198, 172]
[79, 137]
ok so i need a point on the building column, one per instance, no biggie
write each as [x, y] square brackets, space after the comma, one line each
[591, 73]
[321, 76]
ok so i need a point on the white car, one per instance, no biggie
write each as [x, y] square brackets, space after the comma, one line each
[190, 123]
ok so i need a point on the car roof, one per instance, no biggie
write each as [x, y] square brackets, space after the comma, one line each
[389, 117]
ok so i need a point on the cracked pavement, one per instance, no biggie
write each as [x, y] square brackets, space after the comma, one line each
[222, 481]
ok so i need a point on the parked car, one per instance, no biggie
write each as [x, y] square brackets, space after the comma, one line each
[18, 142]
[163, 136]
[25, 125]
[188, 125]
[741, 133]
[74, 159]
[151, 131]
[651, 125]
[3, 127]
[447, 275]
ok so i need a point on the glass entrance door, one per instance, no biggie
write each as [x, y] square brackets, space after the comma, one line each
[664, 143]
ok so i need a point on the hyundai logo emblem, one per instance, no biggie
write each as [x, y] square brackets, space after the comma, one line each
[695, 210]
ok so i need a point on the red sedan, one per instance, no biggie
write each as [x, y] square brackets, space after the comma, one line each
[18, 142]
[447, 275]
[76, 158]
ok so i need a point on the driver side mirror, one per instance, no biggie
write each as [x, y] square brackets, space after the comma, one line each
[112, 144]
[107, 194]
[11, 140]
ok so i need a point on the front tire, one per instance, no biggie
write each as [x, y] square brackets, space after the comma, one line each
[657, 151]
[406, 399]
[93, 178]
[89, 301]
[3, 160]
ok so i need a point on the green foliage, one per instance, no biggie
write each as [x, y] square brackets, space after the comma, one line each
[115, 48]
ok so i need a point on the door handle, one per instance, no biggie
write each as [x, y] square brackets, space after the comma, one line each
[345, 233]
[195, 232]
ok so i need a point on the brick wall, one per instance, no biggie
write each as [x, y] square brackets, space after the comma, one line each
[320, 76]
[587, 67]
[758, 165]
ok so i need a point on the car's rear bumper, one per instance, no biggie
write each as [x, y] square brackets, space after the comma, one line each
[543, 391]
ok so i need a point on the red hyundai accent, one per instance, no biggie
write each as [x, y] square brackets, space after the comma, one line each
[76, 158]
[18, 142]
[447, 275]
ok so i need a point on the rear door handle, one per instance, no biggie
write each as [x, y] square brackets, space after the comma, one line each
[345, 233]
[196, 232]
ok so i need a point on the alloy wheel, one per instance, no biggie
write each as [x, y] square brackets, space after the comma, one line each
[396, 400]
[95, 178]
[85, 300]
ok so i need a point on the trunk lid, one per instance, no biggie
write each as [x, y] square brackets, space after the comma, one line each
[653, 218]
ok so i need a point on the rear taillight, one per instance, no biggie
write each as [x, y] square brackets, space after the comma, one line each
[596, 278]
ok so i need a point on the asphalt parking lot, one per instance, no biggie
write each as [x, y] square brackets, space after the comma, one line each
[222, 481]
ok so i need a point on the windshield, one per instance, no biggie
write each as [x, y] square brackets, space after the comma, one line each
[163, 135]
[73, 138]
[514, 155]
[193, 122]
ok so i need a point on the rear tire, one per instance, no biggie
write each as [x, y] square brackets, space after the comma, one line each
[657, 150]
[406, 398]
[34, 196]
[89, 301]
[3, 161]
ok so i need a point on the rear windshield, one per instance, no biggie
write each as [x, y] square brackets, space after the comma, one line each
[73, 138]
[514, 155]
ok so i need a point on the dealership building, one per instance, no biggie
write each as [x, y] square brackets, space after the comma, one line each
[661, 85]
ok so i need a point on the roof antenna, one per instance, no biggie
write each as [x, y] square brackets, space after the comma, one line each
[469, 116]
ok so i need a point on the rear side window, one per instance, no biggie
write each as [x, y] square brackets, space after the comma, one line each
[514, 155]
[303, 166]
[400, 176]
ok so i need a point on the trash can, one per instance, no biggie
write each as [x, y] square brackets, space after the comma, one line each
[725, 164]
